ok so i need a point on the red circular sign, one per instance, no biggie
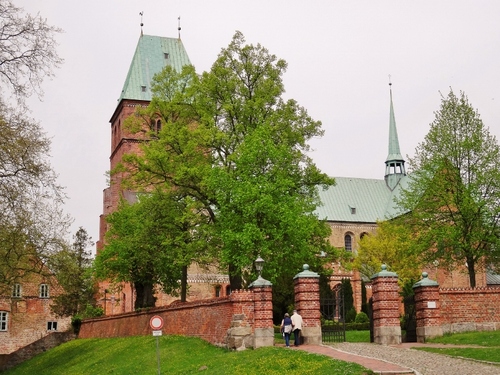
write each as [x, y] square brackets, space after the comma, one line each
[156, 322]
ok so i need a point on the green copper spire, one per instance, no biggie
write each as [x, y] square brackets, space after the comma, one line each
[152, 54]
[394, 164]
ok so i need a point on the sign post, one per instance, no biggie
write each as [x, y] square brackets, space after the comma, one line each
[156, 324]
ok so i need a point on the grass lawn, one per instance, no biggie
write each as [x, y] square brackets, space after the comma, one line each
[178, 355]
[489, 339]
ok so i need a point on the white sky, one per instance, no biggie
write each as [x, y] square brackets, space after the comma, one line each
[339, 54]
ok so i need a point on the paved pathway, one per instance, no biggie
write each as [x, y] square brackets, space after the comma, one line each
[376, 365]
[401, 359]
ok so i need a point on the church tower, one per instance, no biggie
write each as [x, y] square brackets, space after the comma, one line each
[394, 164]
[152, 54]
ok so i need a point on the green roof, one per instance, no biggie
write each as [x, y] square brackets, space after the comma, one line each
[358, 200]
[152, 54]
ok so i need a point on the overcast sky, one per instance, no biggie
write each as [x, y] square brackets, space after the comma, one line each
[340, 55]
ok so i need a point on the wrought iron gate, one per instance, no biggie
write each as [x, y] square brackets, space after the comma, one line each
[410, 319]
[333, 316]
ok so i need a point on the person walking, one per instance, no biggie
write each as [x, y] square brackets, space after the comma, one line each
[286, 329]
[297, 327]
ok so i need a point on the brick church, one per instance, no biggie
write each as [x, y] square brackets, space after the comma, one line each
[352, 207]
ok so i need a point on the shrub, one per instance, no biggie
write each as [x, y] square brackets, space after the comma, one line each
[76, 323]
[361, 318]
[351, 315]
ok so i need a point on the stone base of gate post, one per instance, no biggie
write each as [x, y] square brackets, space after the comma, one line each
[312, 335]
[425, 333]
[387, 335]
[263, 337]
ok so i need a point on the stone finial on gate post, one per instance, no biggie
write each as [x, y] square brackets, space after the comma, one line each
[427, 308]
[306, 289]
[385, 309]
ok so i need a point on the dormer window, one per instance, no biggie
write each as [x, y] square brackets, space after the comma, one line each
[166, 55]
[143, 88]
[353, 210]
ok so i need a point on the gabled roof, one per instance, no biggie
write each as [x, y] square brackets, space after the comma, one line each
[358, 200]
[152, 54]
[492, 278]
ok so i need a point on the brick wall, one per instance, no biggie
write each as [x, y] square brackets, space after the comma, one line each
[45, 343]
[211, 320]
[469, 309]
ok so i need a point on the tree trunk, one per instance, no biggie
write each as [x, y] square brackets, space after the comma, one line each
[235, 279]
[184, 283]
[472, 272]
[144, 296]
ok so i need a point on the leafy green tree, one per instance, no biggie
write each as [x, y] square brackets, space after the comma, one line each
[232, 143]
[151, 243]
[390, 245]
[349, 309]
[454, 191]
[72, 268]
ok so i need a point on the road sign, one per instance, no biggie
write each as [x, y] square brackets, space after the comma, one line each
[156, 333]
[156, 323]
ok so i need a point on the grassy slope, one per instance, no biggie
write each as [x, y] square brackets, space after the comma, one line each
[178, 355]
[489, 339]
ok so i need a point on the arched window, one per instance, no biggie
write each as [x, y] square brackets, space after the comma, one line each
[217, 291]
[158, 125]
[348, 242]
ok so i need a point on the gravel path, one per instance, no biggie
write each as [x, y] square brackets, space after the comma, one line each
[423, 363]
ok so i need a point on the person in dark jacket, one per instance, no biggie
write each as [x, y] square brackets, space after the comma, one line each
[286, 329]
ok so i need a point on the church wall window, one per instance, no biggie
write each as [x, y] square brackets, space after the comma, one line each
[348, 242]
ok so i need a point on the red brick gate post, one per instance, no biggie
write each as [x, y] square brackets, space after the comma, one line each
[427, 308]
[263, 332]
[386, 300]
[306, 288]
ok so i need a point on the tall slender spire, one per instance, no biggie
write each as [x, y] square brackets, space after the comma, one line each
[394, 164]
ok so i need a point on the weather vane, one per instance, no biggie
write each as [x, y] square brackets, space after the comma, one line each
[141, 14]
[179, 26]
